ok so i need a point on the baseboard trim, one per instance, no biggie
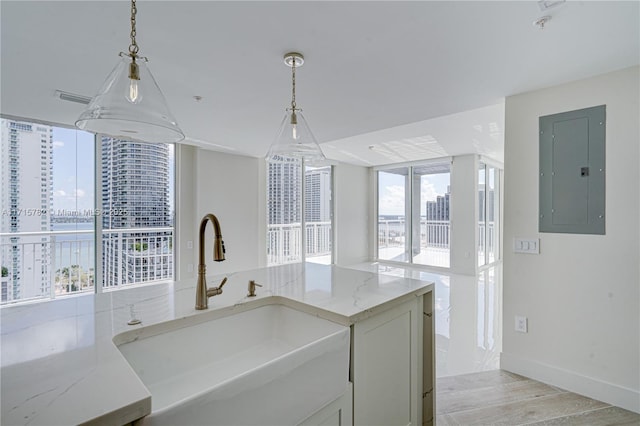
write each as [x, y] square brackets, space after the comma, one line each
[610, 393]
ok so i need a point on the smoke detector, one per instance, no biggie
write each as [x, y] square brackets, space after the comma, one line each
[541, 22]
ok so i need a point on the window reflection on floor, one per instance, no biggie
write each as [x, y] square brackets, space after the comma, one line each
[468, 317]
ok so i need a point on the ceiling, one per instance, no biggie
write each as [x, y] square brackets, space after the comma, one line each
[382, 81]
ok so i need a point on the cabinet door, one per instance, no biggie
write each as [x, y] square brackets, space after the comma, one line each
[337, 413]
[428, 365]
[386, 351]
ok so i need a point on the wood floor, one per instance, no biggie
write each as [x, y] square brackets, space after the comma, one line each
[502, 398]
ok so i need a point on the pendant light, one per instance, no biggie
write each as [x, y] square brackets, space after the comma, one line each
[294, 139]
[130, 104]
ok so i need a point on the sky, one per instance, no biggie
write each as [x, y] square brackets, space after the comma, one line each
[73, 170]
[391, 196]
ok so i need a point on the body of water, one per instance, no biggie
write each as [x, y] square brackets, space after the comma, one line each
[73, 249]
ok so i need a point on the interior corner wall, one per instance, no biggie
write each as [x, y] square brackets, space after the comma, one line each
[185, 200]
[228, 186]
[581, 294]
[351, 214]
[463, 214]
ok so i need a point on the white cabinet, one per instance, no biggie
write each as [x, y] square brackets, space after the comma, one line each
[392, 378]
[337, 413]
[428, 360]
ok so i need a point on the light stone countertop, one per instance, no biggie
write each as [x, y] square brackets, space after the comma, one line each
[61, 366]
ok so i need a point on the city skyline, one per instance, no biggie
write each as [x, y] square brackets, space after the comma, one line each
[74, 172]
[283, 192]
[135, 191]
[317, 194]
[25, 196]
[391, 196]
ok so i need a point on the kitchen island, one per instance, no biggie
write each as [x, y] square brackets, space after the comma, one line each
[61, 366]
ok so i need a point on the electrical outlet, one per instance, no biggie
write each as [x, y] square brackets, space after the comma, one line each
[189, 244]
[521, 324]
[190, 267]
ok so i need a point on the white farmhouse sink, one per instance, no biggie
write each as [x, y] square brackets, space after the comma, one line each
[271, 365]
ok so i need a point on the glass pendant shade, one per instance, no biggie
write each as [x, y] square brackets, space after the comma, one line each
[295, 140]
[130, 108]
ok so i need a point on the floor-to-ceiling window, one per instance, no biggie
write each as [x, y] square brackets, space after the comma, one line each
[393, 210]
[431, 205]
[318, 212]
[137, 212]
[47, 210]
[413, 205]
[299, 198]
[488, 214]
[51, 205]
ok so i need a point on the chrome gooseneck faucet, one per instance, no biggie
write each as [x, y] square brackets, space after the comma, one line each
[202, 293]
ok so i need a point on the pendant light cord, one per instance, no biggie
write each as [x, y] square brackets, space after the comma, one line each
[293, 85]
[133, 47]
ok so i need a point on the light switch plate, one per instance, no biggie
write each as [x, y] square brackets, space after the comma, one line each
[526, 245]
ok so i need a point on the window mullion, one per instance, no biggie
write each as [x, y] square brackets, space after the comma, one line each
[303, 219]
[486, 214]
[409, 214]
[97, 223]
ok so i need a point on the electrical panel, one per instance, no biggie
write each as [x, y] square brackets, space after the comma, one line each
[572, 172]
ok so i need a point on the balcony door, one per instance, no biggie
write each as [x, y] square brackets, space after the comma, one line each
[413, 214]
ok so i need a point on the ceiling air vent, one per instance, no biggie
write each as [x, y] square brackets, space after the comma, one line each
[72, 97]
[548, 4]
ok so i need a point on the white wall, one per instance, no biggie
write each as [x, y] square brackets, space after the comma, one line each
[185, 201]
[230, 187]
[351, 213]
[581, 294]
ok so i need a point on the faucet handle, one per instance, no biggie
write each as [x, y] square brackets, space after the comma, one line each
[216, 290]
[224, 280]
[252, 288]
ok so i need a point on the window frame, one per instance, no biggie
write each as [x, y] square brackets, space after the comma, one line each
[498, 213]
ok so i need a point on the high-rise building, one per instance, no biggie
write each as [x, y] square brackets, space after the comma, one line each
[317, 195]
[284, 192]
[489, 208]
[437, 217]
[135, 195]
[26, 197]
[439, 209]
